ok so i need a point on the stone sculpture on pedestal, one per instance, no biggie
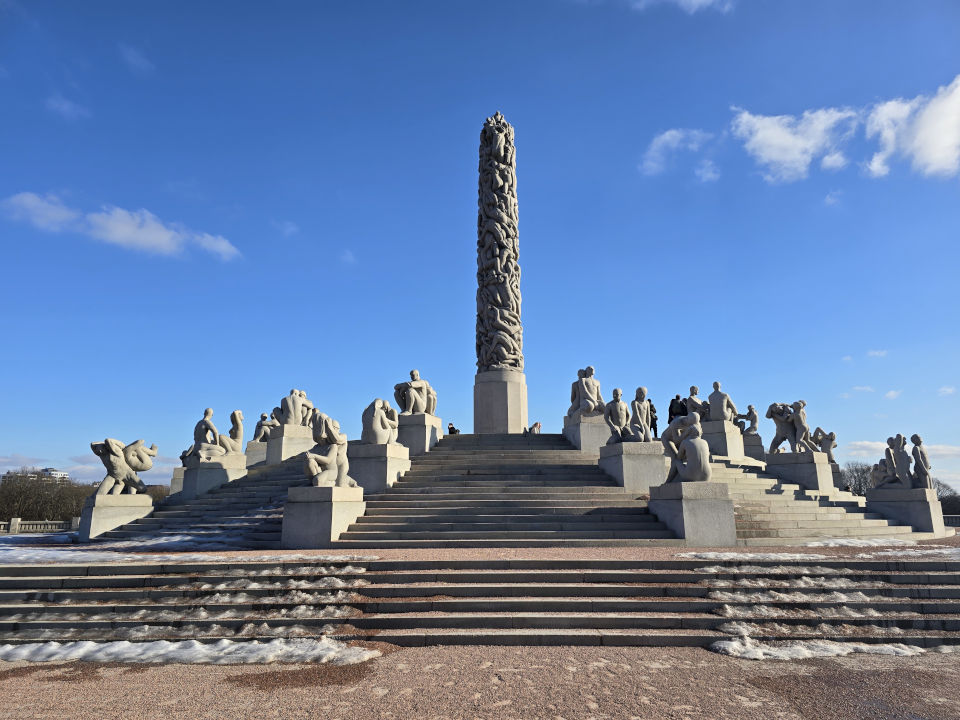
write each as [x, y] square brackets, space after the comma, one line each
[694, 404]
[921, 464]
[693, 457]
[379, 460]
[329, 466]
[588, 393]
[641, 416]
[206, 441]
[801, 429]
[826, 442]
[380, 423]
[749, 417]
[266, 423]
[617, 416]
[673, 436]
[584, 424]
[721, 406]
[896, 464]
[782, 417]
[232, 444]
[123, 462]
[415, 396]
[295, 409]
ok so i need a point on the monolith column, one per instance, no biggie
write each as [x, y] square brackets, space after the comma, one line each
[500, 389]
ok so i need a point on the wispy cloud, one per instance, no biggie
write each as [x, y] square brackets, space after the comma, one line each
[833, 198]
[688, 6]
[944, 451]
[946, 390]
[876, 353]
[785, 145]
[847, 358]
[864, 448]
[862, 388]
[16, 461]
[666, 144]
[135, 59]
[707, 171]
[65, 108]
[287, 228]
[132, 229]
[892, 394]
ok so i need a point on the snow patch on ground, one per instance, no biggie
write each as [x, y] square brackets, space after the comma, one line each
[741, 628]
[929, 552]
[755, 557]
[793, 597]
[785, 569]
[806, 581]
[749, 649]
[773, 611]
[222, 652]
[858, 542]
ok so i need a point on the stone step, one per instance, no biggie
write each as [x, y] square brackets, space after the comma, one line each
[535, 492]
[521, 509]
[468, 535]
[570, 500]
[472, 526]
[820, 531]
[551, 519]
[557, 541]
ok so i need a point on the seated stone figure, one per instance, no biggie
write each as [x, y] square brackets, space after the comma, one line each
[328, 466]
[695, 404]
[575, 394]
[921, 464]
[294, 409]
[751, 417]
[415, 397]
[588, 393]
[721, 406]
[896, 464]
[825, 441]
[262, 432]
[782, 417]
[206, 441]
[672, 437]
[617, 416]
[693, 457]
[878, 473]
[641, 417]
[123, 462]
[380, 423]
[232, 444]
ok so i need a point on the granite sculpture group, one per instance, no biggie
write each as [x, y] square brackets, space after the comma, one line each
[893, 470]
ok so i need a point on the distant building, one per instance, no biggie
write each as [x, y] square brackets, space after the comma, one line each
[44, 475]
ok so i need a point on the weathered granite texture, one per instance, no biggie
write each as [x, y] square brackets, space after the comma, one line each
[699, 512]
[636, 466]
[103, 513]
[123, 462]
[315, 517]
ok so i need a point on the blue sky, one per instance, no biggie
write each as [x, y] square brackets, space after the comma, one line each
[206, 204]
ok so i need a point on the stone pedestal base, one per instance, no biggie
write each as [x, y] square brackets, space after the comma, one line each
[103, 513]
[314, 517]
[699, 512]
[587, 433]
[419, 433]
[377, 467]
[200, 478]
[810, 470]
[288, 440]
[499, 402]
[256, 453]
[176, 482]
[636, 466]
[723, 438]
[917, 507]
[753, 447]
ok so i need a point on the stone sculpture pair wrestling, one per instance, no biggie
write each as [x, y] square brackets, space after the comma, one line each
[893, 470]
[123, 462]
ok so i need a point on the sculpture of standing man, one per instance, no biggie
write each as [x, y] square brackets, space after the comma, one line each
[415, 397]
[921, 464]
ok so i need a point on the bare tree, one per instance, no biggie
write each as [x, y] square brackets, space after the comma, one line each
[27, 493]
[856, 476]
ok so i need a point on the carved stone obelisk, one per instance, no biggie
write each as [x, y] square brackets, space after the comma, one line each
[500, 390]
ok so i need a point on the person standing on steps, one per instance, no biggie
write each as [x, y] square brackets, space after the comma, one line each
[653, 420]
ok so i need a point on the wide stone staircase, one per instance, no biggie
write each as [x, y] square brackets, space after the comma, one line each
[246, 513]
[503, 491]
[680, 601]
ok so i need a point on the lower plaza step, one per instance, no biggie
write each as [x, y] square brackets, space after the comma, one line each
[519, 602]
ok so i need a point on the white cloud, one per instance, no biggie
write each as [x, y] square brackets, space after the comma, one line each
[834, 161]
[134, 229]
[865, 448]
[944, 451]
[286, 227]
[845, 396]
[44, 212]
[946, 390]
[862, 388]
[666, 143]
[847, 358]
[16, 461]
[688, 6]
[66, 108]
[347, 257]
[892, 394]
[832, 198]
[707, 171]
[135, 59]
[924, 130]
[876, 353]
[785, 145]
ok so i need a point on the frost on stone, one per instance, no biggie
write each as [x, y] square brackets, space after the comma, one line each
[858, 542]
[750, 649]
[754, 557]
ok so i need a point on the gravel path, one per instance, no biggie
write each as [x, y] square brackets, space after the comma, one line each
[491, 682]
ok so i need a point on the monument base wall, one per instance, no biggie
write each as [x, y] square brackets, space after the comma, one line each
[587, 433]
[917, 507]
[699, 512]
[499, 402]
[723, 438]
[256, 453]
[810, 470]
[753, 446]
[202, 477]
[419, 432]
[315, 517]
[636, 466]
[377, 467]
[103, 513]
[288, 440]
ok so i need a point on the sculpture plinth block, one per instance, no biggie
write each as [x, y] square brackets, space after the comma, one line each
[288, 440]
[103, 513]
[419, 432]
[256, 453]
[810, 470]
[377, 467]
[699, 512]
[636, 466]
[315, 517]
[500, 402]
[176, 482]
[753, 446]
[587, 433]
[723, 438]
[917, 507]
[200, 478]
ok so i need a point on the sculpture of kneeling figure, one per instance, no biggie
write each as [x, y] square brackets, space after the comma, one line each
[693, 457]
[380, 423]
[415, 397]
[617, 416]
[328, 467]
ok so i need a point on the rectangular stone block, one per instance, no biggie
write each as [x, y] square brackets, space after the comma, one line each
[420, 432]
[315, 517]
[587, 433]
[256, 453]
[753, 446]
[176, 482]
[699, 512]
[377, 467]
[636, 466]
[810, 470]
[499, 402]
[200, 478]
[288, 440]
[102, 513]
[723, 438]
[916, 507]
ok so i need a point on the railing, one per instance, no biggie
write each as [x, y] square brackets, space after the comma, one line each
[16, 525]
[951, 520]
